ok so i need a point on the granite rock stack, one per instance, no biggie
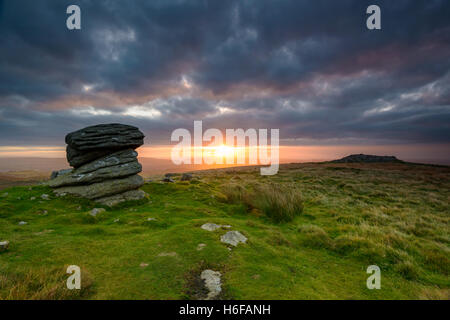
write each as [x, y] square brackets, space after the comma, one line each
[105, 164]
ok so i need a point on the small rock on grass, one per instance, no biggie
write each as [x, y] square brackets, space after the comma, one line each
[167, 254]
[213, 226]
[4, 245]
[45, 197]
[96, 211]
[186, 177]
[233, 238]
[201, 246]
[143, 265]
[22, 223]
[212, 283]
[43, 232]
[151, 219]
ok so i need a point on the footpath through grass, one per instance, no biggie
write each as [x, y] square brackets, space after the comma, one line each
[352, 216]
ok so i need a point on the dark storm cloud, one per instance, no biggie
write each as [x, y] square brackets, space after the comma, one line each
[310, 68]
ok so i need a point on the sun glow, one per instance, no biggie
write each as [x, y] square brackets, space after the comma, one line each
[219, 152]
[224, 151]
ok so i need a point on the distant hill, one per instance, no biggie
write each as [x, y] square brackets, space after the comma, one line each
[366, 158]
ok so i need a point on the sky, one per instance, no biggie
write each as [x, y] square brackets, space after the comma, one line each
[308, 68]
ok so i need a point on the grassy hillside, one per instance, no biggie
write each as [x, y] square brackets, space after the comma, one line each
[312, 231]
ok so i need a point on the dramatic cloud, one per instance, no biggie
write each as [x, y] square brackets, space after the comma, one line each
[309, 68]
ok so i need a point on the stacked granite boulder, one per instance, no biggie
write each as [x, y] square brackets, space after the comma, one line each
[105, 164]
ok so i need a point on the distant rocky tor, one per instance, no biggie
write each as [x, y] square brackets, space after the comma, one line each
[366, 158]
[105, 164]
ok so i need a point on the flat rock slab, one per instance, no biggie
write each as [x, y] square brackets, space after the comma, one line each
[106, 136]
[105, 188]
[213, 226]
[77, 158]
[130, 195]
[113, 159]
[210, 226]
[233, 238]
[212, 283]
[111, 172]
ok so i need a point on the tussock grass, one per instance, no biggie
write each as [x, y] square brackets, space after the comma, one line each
[314, 236]
[281, 203]
[43, 284]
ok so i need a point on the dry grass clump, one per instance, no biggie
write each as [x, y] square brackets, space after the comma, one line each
[42, 285]
[234, 192]
[281, 203]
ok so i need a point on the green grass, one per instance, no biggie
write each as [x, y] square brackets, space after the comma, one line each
[313, 230]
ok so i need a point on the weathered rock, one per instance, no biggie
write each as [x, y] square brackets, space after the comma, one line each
[58, 173]
[45, 197]
[94, 212]
[210, 226]
[113, 200]
[80, 177]
[213, 226]
[113, 159]
[233, 238]
[105, 163]
[212, 283]
[94, 142]
[77, 158]
[186, 177]
[22, 223]
[167, 179]
[4, 245]
[104, 188]
[366, 158]
[106, 136]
